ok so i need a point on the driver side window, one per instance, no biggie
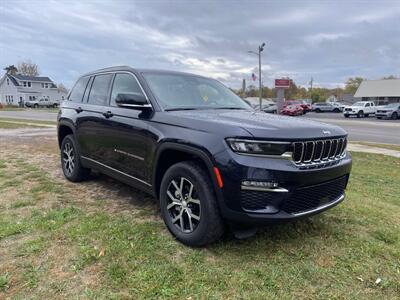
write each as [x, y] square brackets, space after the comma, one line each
[124, 84]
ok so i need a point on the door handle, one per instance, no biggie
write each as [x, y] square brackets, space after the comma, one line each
[79, 110]
[108, 114]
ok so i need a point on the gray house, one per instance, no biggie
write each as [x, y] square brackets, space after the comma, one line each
[16, 89]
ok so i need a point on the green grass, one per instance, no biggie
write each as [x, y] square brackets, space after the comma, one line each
[72, 250]
[12, 125]
[385, 146]
[34, 122]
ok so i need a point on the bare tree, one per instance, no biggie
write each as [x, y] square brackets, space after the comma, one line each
[62, 88]
[12, 70]
[28, 68]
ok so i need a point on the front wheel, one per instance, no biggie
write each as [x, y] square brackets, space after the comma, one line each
[35, 105]
[360, 114]
[394, 116]
[70, 161]
[189, 206]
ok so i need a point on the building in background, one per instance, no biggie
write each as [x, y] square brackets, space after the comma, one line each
[16, 89]
[380, 91]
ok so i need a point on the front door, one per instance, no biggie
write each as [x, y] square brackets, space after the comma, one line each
[128, 138]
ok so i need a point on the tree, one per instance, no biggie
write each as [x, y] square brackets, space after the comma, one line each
[12, 70]
[62, 88]
[352, 84]
[390, 77]
[28, 68]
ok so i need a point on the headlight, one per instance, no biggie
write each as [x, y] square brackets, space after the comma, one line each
[258, 147]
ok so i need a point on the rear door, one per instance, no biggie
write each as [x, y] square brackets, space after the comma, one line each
[92, 120]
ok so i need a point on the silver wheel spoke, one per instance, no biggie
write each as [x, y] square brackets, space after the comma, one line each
[195, 201]
[172, 197]
[177, 217]
[190, 221]
[195, 217]
[190, 190]
[174, 203]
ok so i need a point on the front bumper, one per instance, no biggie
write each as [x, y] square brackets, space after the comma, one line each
[303, 192]
[387, 115]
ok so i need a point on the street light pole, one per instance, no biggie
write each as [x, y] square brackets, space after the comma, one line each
[260, 49]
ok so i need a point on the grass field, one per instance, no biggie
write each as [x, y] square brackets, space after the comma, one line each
[101, 239]
[12, 123]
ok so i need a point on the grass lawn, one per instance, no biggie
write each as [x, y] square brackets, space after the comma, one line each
[385, 146]
[101, 239]
[12, 123]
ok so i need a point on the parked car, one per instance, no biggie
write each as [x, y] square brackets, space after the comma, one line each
[326, 107]
[42, 102]
[292, 110]
[390, 111]
[360, 109]
[303, 105]
[197, 147]
[268, 108]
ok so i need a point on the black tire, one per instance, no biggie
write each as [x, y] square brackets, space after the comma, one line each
[379, 118]
[55, 105]
[346, 116]
[35, 105]
[72, 171]
[317, 110]
[360, 114]
[394, 116]
[336, 110]
[191, 232]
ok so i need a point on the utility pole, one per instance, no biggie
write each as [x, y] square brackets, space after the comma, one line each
[311, 83]
[260, 49]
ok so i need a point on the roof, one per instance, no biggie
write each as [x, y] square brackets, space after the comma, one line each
[32, 78]
[12, 79]
[379, 88]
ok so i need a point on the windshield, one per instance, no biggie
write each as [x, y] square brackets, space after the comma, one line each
[392, 105]
[181, 91]
[359, 103]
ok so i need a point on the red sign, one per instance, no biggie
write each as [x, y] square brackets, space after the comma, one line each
[282, 83]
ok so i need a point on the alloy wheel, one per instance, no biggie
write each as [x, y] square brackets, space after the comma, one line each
[68, 158]
[183, 204]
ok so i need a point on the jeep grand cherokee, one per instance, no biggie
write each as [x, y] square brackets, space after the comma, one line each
[202, 151]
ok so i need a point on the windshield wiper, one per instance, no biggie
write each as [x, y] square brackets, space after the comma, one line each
[180, 108]
[239, 108]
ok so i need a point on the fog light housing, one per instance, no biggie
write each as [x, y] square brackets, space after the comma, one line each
[267, 186]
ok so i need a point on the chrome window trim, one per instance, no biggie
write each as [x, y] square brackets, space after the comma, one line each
[118, 171]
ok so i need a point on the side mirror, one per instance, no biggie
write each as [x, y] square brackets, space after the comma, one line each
[132, 100]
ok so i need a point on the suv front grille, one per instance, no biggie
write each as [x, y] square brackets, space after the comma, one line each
[298, 201]
[311, 197]
[318, 152]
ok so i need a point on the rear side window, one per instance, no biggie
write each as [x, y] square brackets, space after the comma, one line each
[78, 90]
[124, 84]
[99, 92]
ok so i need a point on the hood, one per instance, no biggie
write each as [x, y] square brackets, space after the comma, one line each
[257, 124]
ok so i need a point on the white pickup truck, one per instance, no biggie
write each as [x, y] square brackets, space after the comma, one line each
[43, 102]
[360, 109]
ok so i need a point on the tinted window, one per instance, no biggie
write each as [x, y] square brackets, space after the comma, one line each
[78, 90]
[124, 84]
[99, 92]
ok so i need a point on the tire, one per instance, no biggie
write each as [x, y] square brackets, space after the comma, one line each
[360, 114]
[72, 168]
[317, 110]
[55, 105]
[394, 116]
[336, 110]
[379, 118]
[346, 116]
[35, 105]
[190, 231]
[366, 115]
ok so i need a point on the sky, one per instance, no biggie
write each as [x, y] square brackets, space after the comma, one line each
[328, 41]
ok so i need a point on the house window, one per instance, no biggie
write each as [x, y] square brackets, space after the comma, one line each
[24, 83]
[45, 85]
[29, 84]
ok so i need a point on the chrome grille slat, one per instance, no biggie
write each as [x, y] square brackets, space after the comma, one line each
[320, 152]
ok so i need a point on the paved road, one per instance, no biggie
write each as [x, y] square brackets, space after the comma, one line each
[367, 129]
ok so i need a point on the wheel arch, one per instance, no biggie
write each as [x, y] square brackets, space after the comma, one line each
[64, 128]
[170, 153]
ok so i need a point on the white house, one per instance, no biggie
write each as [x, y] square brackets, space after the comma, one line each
[20, 88]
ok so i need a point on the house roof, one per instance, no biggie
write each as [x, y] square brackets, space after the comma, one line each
[12, 80]
[32, 78]
[379, 88]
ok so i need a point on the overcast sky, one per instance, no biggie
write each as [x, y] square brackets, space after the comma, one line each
[327, 40]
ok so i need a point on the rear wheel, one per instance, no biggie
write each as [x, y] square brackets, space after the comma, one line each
[189, 206]
[394, 116]
[336, 110]
[35, 105]
[70, 161]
